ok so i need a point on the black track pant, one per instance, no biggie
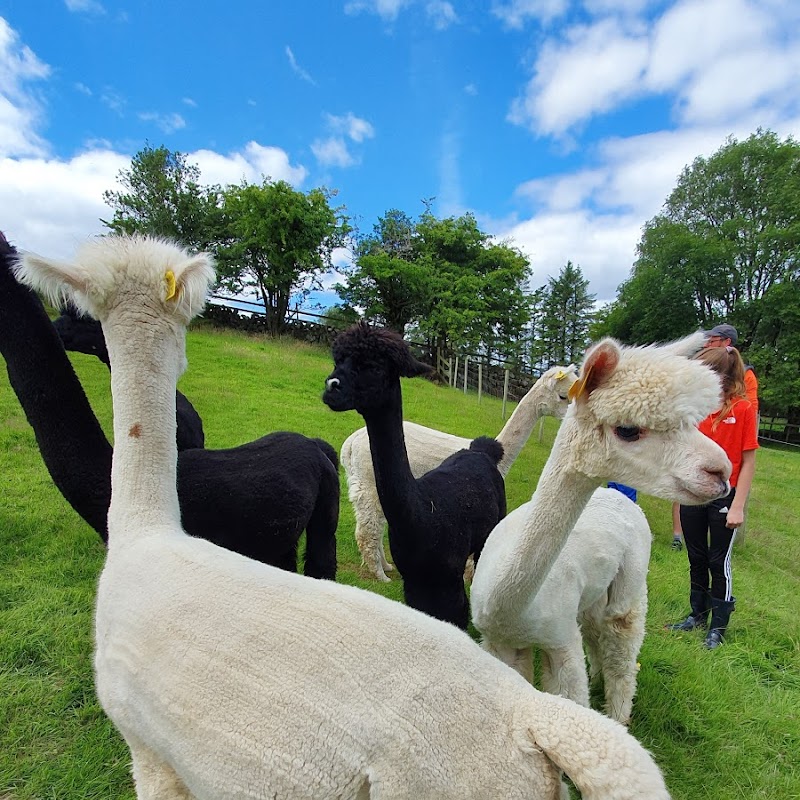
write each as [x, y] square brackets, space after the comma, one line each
[709, 545]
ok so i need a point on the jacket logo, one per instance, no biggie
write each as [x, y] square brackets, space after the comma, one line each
[730, 421]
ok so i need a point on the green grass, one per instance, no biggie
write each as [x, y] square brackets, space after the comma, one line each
[722, 725]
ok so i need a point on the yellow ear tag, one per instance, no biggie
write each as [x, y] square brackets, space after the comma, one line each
[172, 285]
[577, 388]
[560, 375]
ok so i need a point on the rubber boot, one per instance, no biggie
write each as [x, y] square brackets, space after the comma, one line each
[721, 611]
[700, 603]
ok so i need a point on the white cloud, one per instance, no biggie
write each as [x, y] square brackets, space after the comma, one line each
[441, 14]
[516, 13]
[603, 246]
[50, 206]
[332, 152]
[385, 9]
[168, 123]
[714, 59]
[85, 6]
[20, 112]
[596, 68]
[188, 101]
[296, 68]
[113, 100]
[251, 164]
[83, 89]
[352, 126]
[594, 217]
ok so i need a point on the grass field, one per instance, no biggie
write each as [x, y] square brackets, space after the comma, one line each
[722, 725]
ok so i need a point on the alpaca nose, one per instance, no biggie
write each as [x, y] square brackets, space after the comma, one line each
[331, 383]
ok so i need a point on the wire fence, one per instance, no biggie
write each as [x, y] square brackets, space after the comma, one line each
[466, 372]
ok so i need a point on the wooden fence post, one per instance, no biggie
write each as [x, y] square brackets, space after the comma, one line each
[505, 391]
[454, 383]
[480, 380]
[466, 370]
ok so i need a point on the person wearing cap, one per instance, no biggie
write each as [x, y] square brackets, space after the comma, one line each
[710, 529]
[725, 335]
[722, 335]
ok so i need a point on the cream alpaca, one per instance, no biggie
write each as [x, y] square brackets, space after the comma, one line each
[229, 678]
[427, 448]
[595, 592]
[632, 420]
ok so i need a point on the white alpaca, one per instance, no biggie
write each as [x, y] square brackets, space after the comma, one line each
[596, 591]
[427, 448]
[632, 420]
[232, 679]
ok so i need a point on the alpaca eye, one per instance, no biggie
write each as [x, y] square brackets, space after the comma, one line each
[628, 433]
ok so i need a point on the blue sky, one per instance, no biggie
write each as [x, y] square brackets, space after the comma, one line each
[561, 125]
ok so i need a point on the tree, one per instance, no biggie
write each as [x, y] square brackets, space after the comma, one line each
[477, 299]
[387, 280]
[565, 313]
[278, 242]
[727, 238]
[163, 198]
[728, 232]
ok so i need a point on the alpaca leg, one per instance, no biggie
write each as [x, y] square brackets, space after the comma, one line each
[154, 778]
[564, 671]
[519, 659]
[320, 559]
[590, 630]
[469, 570]
[370, 523]
[620, 642]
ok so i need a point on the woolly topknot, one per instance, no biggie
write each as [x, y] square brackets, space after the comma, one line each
[491, 447]
[654, 386]
[363, 342]
[105, 268]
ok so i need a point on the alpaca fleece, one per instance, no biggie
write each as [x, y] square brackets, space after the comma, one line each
[233, 680]
[438, 520]
[632, 420]
[428, 448]
[82, 334]
[256, 499]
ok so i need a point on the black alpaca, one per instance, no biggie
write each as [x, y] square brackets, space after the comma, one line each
[438, 520]
[255, 499]
[83, 334]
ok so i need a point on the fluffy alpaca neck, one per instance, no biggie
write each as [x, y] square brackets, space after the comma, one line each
[144, 497]
[560, 497]
[517, 430]
[72, 443]
[387, 445]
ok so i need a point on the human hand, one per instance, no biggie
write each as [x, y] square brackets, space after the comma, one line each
[734, 518]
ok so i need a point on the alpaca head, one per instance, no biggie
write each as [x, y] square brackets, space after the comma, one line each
[555, 383]
[112, 274]
[633, 420]
[81, 334]
[368, 365]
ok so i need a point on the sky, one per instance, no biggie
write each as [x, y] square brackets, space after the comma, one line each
[562, 125]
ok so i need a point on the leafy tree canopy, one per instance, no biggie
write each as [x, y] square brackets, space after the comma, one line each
[278, 241]
[564, 310]
[727, 233]
[725, 247]
[162, 197]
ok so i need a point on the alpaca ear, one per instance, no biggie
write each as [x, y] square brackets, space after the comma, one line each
[688, 346]
[413, 368]
[58, 281]
[188, 284]
[598, 366]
